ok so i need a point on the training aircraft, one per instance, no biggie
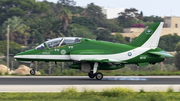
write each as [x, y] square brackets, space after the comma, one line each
[92, 55]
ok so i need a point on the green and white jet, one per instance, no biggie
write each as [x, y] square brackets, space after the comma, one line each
[92, 55]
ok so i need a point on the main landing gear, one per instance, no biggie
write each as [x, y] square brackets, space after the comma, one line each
[98, 75]
[91, 75]
[32, 71]
[94, 73]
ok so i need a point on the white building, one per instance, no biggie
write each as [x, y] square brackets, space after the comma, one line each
[112, 13]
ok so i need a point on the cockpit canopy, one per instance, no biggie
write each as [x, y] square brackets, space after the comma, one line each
[59, 42]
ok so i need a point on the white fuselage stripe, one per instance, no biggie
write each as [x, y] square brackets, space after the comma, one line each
[112, 57]
[59, 57]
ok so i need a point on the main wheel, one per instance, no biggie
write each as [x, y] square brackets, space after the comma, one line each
[32, 72]
[99, 76]
[91, 75]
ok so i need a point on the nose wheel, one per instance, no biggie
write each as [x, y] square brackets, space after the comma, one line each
[32, 72]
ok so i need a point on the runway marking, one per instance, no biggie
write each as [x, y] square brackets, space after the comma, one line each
[124, 78]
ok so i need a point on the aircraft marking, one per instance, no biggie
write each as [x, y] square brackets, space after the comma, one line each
[63, 52]
[56, 49]
[45, 53]
[149, 31]
[70, 47]
[129, 54]
[142, 57]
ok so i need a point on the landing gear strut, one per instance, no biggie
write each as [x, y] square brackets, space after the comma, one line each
[94, 73]
[32, 71]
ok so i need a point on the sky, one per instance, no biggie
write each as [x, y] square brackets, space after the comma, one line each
[148, 7]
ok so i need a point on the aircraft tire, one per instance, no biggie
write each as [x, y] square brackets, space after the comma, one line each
[99, 76]
[32, 72]
[91, 75]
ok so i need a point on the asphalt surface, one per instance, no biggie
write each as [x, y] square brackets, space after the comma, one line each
[83, 80]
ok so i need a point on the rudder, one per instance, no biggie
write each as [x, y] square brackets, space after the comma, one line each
[149, 38]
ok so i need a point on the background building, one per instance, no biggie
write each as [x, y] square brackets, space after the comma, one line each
[171, 26]
[112, 13]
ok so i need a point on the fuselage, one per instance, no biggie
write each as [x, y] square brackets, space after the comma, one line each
[90, 49]
[93, 55]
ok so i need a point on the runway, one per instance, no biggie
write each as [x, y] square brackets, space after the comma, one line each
[81, 83]
[84, 80]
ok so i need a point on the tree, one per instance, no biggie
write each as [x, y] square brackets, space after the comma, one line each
[168, 42]
[113, 27]
[46, 27]
[95, 12]
[153, 19]
[104, 34]
[177, 61]
[23, 8]
[18, 30]
[67, 2]
[66, 17]
[13, 49]
[127, 17]
[120, 39]
[84, 21]
[80, 31]
[141, 13]
[177, 56]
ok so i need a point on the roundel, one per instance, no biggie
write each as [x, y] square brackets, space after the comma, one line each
[129, 54]
[149, 31]
[63, 52]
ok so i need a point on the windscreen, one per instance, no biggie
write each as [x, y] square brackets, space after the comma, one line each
[54, 42]
[59, 42]
[41, 46]
[50, 44]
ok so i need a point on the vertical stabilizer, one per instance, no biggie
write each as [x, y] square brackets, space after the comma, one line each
[149, 38]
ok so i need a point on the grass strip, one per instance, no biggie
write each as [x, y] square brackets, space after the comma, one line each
[114, 94]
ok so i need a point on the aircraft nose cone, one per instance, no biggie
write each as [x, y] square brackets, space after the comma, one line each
[16, 56]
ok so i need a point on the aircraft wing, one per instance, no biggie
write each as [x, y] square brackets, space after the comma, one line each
[102, 60]
[162, 53]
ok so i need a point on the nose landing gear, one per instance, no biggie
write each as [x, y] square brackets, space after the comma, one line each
[32, 71]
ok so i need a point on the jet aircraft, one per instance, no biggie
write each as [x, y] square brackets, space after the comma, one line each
[91, 55]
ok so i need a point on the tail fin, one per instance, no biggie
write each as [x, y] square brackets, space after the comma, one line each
[150, 37]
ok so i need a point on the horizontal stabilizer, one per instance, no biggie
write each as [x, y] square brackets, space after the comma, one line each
[162, 53]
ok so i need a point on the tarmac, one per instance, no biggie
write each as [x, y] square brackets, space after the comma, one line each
[81, 83]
